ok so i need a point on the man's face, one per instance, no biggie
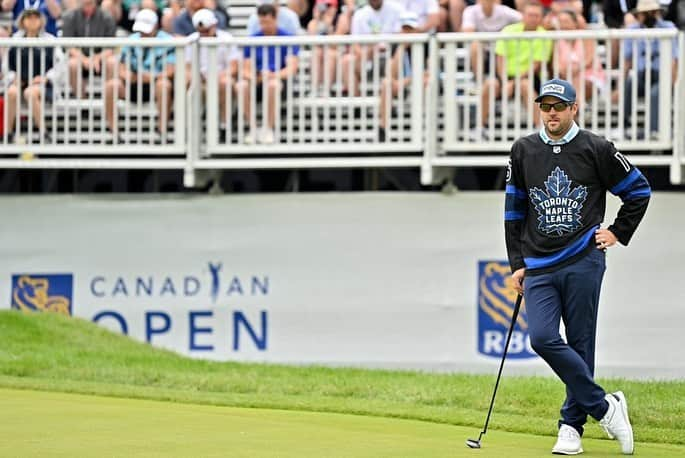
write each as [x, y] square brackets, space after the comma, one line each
[268, 24]
[532, 17]
[88, 7]
[376, 4]
[559, 117]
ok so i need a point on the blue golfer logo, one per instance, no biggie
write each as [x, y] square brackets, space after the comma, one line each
[559, 206]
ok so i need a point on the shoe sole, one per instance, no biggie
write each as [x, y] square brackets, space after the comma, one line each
[559, 452]
[624, 410]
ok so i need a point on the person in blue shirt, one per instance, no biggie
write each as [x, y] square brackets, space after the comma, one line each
[648, 15]
[267, 67]
[147, 65]
[51, 9]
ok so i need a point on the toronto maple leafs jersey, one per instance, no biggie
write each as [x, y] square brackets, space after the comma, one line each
[556, 198]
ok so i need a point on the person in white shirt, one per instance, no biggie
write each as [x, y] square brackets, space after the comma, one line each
[286, 19]
[486, 16]
[378, 17]
[427, 12]
[227, 57]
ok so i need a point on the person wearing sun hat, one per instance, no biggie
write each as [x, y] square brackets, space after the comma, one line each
[648, 15]
[50, 9]
[28, 63]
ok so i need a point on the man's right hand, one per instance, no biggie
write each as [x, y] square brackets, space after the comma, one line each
[518, 279]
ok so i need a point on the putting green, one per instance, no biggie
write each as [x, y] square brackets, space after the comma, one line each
[57, 424]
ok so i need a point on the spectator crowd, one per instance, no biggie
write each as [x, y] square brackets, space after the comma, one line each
[146, 73]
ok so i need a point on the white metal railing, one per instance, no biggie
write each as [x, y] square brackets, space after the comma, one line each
[68, 117]
[435, 116]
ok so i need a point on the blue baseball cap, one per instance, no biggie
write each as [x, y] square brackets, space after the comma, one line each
[561, 89]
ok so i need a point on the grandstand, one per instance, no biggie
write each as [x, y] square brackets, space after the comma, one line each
[432, 133]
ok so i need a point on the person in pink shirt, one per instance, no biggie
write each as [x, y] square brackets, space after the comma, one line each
[575, 58]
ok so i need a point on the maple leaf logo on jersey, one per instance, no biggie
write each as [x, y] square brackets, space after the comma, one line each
[559, 207]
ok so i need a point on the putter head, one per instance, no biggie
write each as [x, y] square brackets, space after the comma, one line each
[473, 443]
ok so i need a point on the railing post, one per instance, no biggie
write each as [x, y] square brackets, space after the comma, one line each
[678, 156]
[430, 112]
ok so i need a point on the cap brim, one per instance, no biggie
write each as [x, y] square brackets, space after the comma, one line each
[555, 95]
[143, 27]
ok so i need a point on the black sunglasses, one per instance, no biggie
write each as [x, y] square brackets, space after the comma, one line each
[558, 107]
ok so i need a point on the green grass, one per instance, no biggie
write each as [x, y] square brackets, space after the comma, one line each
[58, 424]
[53, 353]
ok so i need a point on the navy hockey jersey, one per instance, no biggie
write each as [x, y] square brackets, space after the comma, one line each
[556, 198]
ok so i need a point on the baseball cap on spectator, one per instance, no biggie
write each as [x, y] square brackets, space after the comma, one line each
[204, 18]
[146, 21]
[409, 19]
[561, 89]
[333, 3]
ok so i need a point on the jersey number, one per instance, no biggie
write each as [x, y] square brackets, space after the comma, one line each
[622, 159]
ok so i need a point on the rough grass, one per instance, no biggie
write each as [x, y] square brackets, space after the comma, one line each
[50, 352]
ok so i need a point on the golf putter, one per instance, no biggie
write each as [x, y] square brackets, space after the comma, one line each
[473, 443]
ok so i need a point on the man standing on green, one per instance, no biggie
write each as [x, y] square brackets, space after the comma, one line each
[514, 60]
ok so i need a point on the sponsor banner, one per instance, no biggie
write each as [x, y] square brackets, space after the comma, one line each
[496, 298]
[415, 281]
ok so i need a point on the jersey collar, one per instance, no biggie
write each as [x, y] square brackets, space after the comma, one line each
[570, 135]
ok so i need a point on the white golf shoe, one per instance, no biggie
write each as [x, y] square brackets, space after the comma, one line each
[616, 422]
[568, 442]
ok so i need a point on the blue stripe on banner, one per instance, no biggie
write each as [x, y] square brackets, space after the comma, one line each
[637, 193]
[571, 250]
[623, 185]
[511, 189]
[514, 215]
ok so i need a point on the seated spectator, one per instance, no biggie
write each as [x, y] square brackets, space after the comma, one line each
[50, 9]
[88, 20]
[286, 19]
[400, 72]
[183, 24]
[227, 58]
[575, 58]
[378, 17]
[27, 61]
[427, 11]
[486, 16]
[272, 74]
[648, 15]
[328, 20]
[515, 59]
[151, 66]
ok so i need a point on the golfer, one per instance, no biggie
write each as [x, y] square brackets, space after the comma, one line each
[554, 208]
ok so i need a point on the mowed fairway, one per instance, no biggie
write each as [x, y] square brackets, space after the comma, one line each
[58, 424]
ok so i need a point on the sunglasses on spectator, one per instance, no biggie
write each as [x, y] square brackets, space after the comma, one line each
[558, 107]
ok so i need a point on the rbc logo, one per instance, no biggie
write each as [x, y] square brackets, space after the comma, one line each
[496, 297]
[42, 292]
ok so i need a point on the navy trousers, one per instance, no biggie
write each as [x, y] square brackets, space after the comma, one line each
[570, 294]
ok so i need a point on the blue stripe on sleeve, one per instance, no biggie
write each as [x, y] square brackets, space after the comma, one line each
[571, 250]
[511, 189]
[637, 193]
[627, 181]
[514, 215]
